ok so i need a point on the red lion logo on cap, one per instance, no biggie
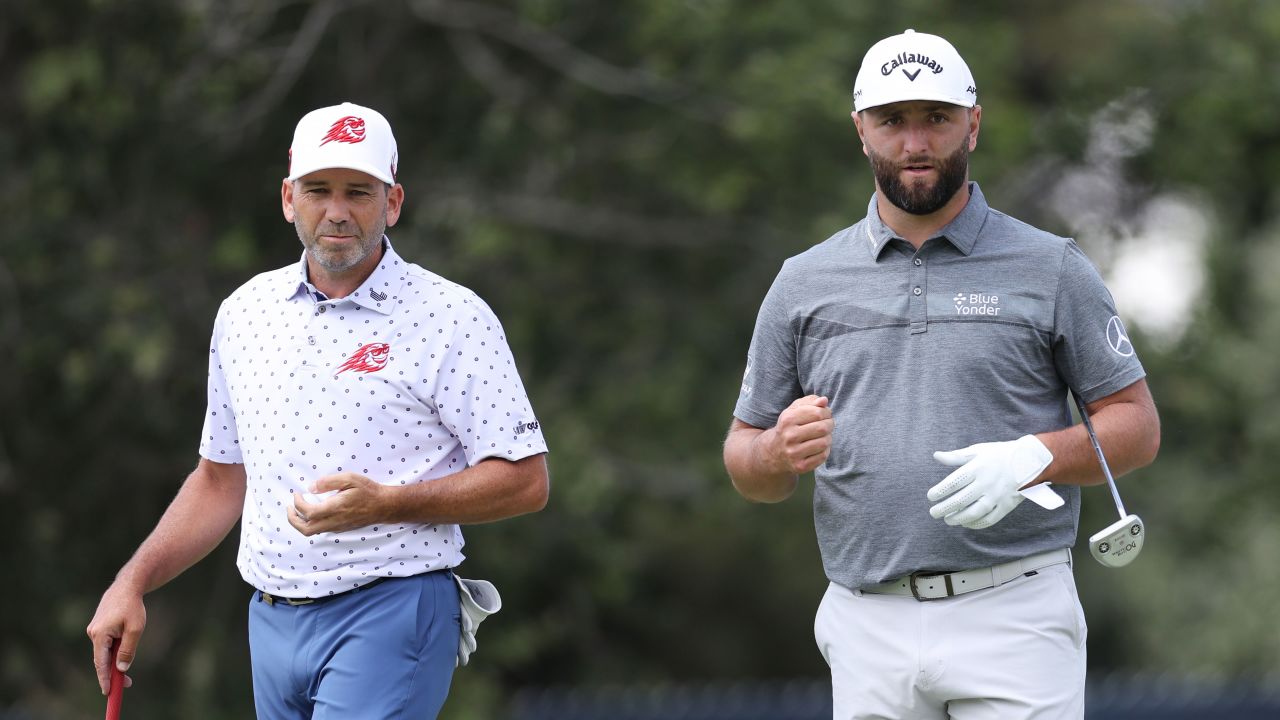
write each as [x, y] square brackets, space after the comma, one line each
[349, 129]
[371, 357]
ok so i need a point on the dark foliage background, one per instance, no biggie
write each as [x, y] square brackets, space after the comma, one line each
[621, 182]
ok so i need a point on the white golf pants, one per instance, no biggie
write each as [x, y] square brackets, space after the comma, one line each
[1013, 652]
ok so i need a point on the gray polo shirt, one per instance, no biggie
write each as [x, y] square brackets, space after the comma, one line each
[976, 337]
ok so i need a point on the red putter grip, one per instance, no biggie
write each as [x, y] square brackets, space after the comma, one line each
[116, 696]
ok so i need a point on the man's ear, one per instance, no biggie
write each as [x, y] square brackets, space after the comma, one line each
[286, 200]
[857, 122]
[975, 121]
[395, 202]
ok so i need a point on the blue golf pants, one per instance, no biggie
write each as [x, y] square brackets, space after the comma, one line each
[385, 652]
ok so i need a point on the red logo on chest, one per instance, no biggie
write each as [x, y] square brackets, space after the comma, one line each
[371, 357]
[349, 129]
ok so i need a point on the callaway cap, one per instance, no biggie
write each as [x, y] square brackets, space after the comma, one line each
[344, 136]
[913, 66]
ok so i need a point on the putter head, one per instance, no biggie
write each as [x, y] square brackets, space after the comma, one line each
[1119, 543]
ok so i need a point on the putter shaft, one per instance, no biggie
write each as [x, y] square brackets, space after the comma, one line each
[1106, 469]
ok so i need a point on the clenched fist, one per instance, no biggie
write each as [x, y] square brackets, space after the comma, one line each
[801, 440]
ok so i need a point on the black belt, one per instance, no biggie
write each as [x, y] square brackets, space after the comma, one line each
[270, 599]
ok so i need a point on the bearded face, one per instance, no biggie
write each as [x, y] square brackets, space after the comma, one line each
[340, 246]
[923, 195]
[340, 216]
[919, 151]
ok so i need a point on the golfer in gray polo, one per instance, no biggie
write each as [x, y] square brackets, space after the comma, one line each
[919, 362]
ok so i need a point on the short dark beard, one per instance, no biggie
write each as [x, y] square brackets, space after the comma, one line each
[919, 199]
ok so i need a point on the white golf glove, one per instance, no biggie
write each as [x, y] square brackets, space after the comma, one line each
[986, 485]
[478, 600]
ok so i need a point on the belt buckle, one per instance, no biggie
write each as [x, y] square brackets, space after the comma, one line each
[915, 591]
[271, 600]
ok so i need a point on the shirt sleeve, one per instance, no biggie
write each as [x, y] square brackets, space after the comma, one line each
[219, 441]
[480, 396]
[1091, 347]
[771, 381]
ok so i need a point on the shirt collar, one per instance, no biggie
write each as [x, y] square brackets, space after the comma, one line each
[961, 232]
[377, 292]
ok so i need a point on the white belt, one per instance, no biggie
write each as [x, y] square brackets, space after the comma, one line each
[937, 586]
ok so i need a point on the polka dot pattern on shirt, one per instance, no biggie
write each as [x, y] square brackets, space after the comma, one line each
[407, 379]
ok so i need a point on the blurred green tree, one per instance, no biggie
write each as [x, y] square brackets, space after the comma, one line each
[620, 181]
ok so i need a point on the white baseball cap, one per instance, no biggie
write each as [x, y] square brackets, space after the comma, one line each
[913, 66]
[344, 136]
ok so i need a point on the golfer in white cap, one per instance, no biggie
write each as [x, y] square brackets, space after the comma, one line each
[919, 361]
[360, 409]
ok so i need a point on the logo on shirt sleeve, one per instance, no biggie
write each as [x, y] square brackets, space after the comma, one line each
[1118, 338]
[371, 357]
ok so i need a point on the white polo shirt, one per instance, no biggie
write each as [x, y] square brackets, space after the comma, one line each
[407, 379]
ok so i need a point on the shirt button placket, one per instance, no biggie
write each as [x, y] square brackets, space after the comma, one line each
[312, 323]
[919, 302]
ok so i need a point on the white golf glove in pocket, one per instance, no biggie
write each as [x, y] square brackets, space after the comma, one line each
[478, 600]
[985, 486]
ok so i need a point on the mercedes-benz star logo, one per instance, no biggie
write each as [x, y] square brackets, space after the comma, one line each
[1117, 338]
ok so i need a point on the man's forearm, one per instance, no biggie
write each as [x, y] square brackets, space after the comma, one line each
[752, 476]
[1128, 429]
[493, 489]
[205, 509]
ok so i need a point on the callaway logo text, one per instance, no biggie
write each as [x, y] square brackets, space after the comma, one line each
[909, 59]
[371, 357]
[349, 129]
[977, 304]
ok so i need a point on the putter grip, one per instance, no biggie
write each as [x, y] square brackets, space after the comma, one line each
[116, 696]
